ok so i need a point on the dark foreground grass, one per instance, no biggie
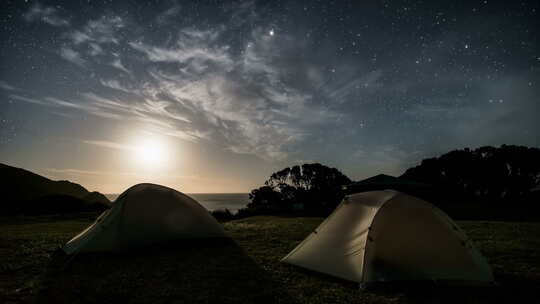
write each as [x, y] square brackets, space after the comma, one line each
[245, 269]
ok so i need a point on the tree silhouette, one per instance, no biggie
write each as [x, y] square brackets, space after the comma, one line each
[487, 173]
[309, 188]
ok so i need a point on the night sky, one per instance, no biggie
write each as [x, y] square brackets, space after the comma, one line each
[215, 96]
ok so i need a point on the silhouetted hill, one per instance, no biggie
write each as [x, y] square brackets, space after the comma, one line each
[383, 182]
[24, 192]
[97, 198]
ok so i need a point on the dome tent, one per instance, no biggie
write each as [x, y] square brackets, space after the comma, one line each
[142, 215]
[382, 236]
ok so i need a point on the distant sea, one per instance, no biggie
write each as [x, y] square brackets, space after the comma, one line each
[213, 201]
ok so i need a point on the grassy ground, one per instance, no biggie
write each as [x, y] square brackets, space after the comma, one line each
[245, 269]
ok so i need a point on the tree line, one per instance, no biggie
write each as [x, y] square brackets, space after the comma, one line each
[484, 175]
[487, 174]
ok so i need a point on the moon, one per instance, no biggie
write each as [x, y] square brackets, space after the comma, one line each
[151, 153]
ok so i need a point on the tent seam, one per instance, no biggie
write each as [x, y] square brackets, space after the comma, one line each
[314, 231]
[369, 230]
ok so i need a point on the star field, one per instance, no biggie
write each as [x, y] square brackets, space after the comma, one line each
[366, 87]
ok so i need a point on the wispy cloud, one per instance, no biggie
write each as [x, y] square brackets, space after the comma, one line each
[77, 172]
[94, 37]
[109, 145]
[72, 56]
[46, 14]
[79, 37]
[104, 29]
[242, 101]
[148, 111]
[27, 99]
[242, 13]
[167, 15]
[115, 84]
[183, 53]
[238, 101]
[248, 82]
[117, 63]
[96, 108]
[70, 171]
[6, 86]
[95, 49]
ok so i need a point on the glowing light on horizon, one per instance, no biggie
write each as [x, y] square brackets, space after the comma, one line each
[151, 153]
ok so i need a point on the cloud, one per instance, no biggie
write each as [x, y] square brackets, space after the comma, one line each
[148, 111]
[76, 172]
[50, 101]
[195, 47]
[168, 14]
[104, 29]
[196, 87]
[46, 14]
[26, 99]
[95, 49]
[242, 102]
[79, 37]
[243, 13]
[66, 104]
[72, 56]
[70, 171]
[6, 86]
[106, 108]
[115, 84]
[207, 91]
[96, 35]
[95, 108]
[117, 63]
[183, 53]
[290, 95]
[110, 145]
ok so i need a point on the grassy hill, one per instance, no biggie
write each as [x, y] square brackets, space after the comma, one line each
[245, 269]
[24, 192]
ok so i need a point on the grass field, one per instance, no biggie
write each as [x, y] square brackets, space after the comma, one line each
[245, 269]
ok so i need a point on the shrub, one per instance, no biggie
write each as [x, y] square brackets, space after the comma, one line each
[223, 215]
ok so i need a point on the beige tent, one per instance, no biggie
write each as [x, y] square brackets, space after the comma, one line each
[380, 236]
[146, 214]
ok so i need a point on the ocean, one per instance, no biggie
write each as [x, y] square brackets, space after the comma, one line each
[213, 201]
